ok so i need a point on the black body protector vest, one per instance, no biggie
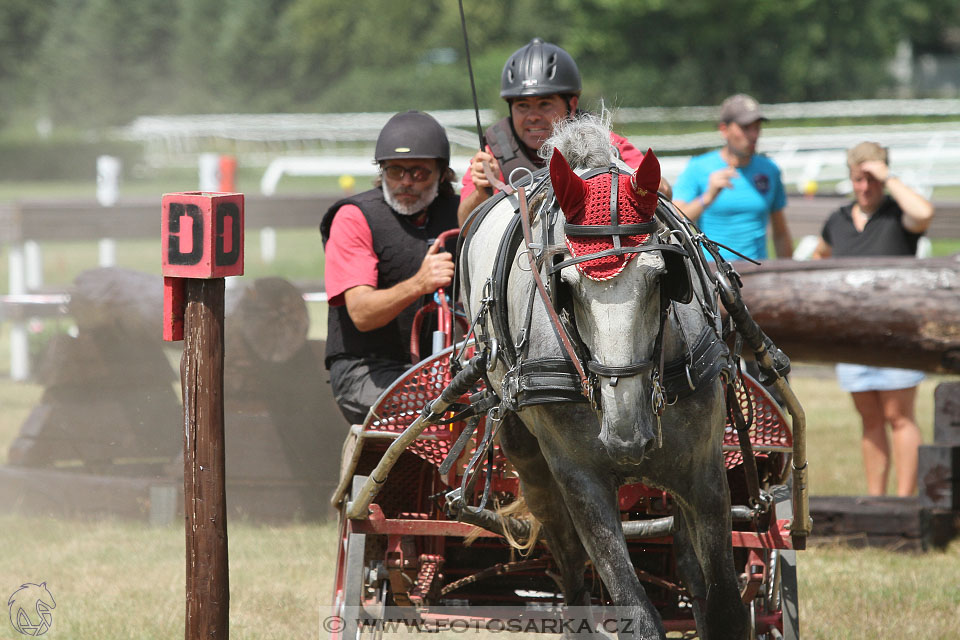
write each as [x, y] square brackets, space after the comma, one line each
[400, 247]
[509, 151]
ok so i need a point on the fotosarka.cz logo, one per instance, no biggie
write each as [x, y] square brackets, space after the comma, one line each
[30, 609]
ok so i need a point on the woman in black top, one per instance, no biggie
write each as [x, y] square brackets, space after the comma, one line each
[876, 224]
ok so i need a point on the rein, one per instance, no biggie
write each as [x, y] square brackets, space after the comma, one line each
[585, 382]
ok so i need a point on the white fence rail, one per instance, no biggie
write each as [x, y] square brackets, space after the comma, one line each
[925, 154]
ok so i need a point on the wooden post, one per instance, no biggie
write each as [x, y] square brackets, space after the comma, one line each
[204, 487]
[202, 242]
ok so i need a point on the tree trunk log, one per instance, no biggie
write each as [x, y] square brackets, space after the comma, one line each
[272, 318]
[895, 312]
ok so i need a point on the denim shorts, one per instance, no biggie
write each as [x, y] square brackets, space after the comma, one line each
[858, 377]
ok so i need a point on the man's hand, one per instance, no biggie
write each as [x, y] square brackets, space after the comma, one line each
[477, 173]
[719, 180]
[371, 308]
[436, 270]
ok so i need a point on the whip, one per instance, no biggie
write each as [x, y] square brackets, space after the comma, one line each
[473, 86]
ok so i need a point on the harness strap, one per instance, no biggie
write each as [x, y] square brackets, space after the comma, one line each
[752, 476]
[543, 381]
[708, 357]
[619, 252]
[614, 211]
[458, 446]
[617, 372]
[616, 230]
[512, 238]
[551, 312]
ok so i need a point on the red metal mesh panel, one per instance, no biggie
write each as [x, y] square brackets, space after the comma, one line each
[402, 403]
[405, 495]
[769, 428]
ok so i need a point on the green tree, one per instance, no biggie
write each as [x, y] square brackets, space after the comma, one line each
[103, 61]
[22, 25]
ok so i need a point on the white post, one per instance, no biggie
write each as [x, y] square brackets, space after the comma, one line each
[209, 166]
[107, 252]
[268, 244]
[33, 264]
[19, 345]
[108, 180]
[17, 276]
[108, 192]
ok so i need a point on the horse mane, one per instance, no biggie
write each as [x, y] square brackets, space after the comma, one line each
[584, 140]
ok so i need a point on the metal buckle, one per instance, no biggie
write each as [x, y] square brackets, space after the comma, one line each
[521, 339]
[494, 352]
[657, 396]
[692, 386]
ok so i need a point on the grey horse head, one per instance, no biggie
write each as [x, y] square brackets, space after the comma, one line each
[616, 299]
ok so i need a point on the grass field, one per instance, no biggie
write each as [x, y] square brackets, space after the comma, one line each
[116, 580]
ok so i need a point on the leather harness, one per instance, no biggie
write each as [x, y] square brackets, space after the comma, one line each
[574, 376]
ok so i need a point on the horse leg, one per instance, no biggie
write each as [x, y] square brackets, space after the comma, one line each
[546, 504]
[688, 567]
[707, 518]
[591, 500]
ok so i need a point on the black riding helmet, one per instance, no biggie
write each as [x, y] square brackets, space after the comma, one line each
[412, 134]
[539, 69]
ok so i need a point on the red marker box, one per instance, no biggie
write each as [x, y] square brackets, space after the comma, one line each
[202, 234]
[201, 237]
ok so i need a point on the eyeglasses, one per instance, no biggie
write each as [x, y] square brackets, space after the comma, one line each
[417, 174]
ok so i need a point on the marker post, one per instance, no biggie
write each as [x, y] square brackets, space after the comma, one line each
[202, 243]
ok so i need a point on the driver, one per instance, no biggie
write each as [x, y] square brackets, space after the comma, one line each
[541, 84]
[381, 256]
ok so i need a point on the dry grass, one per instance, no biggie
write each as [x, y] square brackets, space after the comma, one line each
[116, 579]
[866, 594]
[123, 580]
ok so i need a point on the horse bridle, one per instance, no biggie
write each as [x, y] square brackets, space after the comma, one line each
[589, 384]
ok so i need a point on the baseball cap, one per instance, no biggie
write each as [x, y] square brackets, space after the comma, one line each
[742, 109]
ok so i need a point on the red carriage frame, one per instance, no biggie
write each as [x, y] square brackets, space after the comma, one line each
[408, 553]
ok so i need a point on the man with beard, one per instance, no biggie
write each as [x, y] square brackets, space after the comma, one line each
[734, 193]
[382, 257]
[541, 84]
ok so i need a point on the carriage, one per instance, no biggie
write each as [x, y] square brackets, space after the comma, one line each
[436, 545]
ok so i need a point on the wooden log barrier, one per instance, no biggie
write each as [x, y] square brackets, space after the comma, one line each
[938, 468]
[202, 243]
[896, 312]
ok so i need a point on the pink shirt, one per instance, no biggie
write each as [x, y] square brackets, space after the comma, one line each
[629, 153]
[349, 258]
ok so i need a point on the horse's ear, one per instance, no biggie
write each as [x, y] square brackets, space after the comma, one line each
[647, 176]
[570, 188]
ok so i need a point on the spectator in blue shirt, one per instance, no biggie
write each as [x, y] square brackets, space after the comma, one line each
[733, 193]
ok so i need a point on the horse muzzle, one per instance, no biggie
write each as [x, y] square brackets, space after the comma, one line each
[628, 424]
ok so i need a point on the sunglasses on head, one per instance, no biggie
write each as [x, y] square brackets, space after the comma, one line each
[417, 174]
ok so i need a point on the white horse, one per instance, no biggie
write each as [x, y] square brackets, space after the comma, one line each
[625, 302]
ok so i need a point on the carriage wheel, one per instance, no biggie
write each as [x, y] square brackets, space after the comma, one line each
[784, 594]
[354, 574]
